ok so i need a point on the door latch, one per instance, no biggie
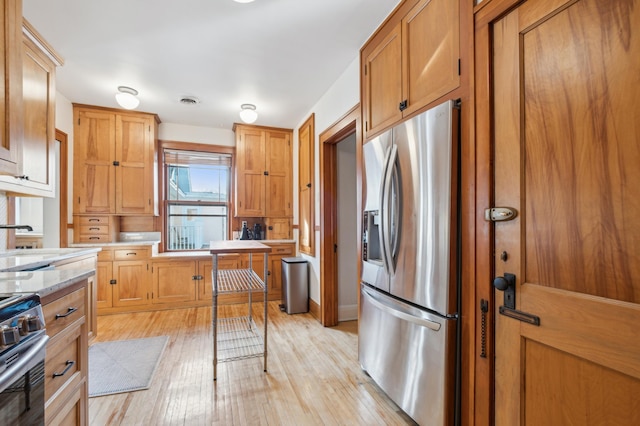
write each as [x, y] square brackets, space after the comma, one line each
[500, 214]
[507, 284]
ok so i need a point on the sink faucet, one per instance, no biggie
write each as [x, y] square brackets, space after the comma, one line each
[27, 227]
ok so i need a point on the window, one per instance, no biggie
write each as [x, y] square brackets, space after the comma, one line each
[197, 187]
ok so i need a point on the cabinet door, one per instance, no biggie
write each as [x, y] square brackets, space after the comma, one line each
[431, 51]
[94, 153]
[382, 81]
[257, 263]
[11, 87]
[104, 293]
[250, 169]
[132, 283]
[38, 141]
[279, 186]
[134, 174]
[174, 281]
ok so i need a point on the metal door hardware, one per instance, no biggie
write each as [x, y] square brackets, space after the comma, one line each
[507, 283]
[500, 214]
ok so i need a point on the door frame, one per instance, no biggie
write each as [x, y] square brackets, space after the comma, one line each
[63, 138]
[485, 14]
[345, 126]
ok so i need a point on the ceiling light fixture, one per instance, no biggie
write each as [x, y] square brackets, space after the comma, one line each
[243, 1]
[126, 97]
[248, 113]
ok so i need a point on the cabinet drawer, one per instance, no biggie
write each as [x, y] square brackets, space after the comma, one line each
[63, 362]
[94, 239]
[64, 311]
[93, 220]
[277, 250]
[94, 229]
[131, 254]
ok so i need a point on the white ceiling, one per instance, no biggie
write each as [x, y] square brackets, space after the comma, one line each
[281, 55]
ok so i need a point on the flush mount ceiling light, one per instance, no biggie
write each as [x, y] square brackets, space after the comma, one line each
[126, 97]
[248, 113]
[243, 1]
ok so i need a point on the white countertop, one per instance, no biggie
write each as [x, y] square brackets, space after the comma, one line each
[19, 260]
[40, 282]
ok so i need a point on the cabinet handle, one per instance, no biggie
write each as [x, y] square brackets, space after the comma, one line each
[266, 173]
[69, 364]
[69, 312]
[308, 185]
[94, 220]
[93, 228]
[116, 163]
[113, 282]
[132, 253]
[94, 238]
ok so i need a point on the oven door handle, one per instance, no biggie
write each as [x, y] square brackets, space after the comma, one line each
[25, 362]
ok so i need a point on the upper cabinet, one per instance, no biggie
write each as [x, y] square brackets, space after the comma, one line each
[27, 146]
[38, 162]
[264, 185]
[115, 162]
[11, 87]
[412, 60]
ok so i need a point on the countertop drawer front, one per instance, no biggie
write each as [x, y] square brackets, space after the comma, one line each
[94, 229]
[91, 238]
[131, 254]
[64, 311]
[63, 362]
[93, 220]
[282, 250]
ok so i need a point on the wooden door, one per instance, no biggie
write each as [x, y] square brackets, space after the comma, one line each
[174, 281]
[94, 153]
[566, 107]
[382, 82]
[306, 187]
[279, 186]
[430, 52]
[132, 283]
[250, 169]
[135, 172]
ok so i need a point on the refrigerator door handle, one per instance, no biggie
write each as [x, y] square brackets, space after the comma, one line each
[386, 212]
[395, 217]
[383, 210]
[397, 311]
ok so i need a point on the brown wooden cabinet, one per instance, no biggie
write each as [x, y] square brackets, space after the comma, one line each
[115, 162]
[263, 172]
[11, 88]
[65, 393]
[124, 279]
[37, 159]
[174, 281]
[412, 60]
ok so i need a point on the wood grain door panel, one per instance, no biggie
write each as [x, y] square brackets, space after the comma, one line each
[566, 157]
[134, 174]
[431, 50]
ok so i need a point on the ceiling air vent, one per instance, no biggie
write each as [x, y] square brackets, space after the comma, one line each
[189, 100]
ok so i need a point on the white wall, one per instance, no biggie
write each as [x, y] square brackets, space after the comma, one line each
[343, 95]
[205, 135]
[347, 229]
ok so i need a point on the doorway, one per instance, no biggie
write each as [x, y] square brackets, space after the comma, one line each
[348, 125]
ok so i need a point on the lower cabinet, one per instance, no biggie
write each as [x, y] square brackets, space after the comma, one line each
[124, 279]
[130, 280]
[66, 361]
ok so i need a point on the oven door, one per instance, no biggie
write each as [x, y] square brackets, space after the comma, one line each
[22, 383]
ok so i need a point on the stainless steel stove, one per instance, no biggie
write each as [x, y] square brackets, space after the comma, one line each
[23, 340]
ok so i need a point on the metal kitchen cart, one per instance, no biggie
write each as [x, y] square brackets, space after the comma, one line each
[239, 337]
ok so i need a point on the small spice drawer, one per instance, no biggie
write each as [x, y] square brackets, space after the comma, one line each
[131, 254]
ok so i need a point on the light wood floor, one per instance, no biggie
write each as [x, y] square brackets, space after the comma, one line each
[314, 377]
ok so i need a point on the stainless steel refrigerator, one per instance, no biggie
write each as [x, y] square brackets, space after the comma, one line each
[408, 324]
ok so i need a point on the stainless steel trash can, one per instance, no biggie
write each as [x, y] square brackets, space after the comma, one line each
[295, 285]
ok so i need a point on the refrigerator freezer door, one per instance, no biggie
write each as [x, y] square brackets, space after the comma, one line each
[375, 154]
[427, 148]
[410, 354]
